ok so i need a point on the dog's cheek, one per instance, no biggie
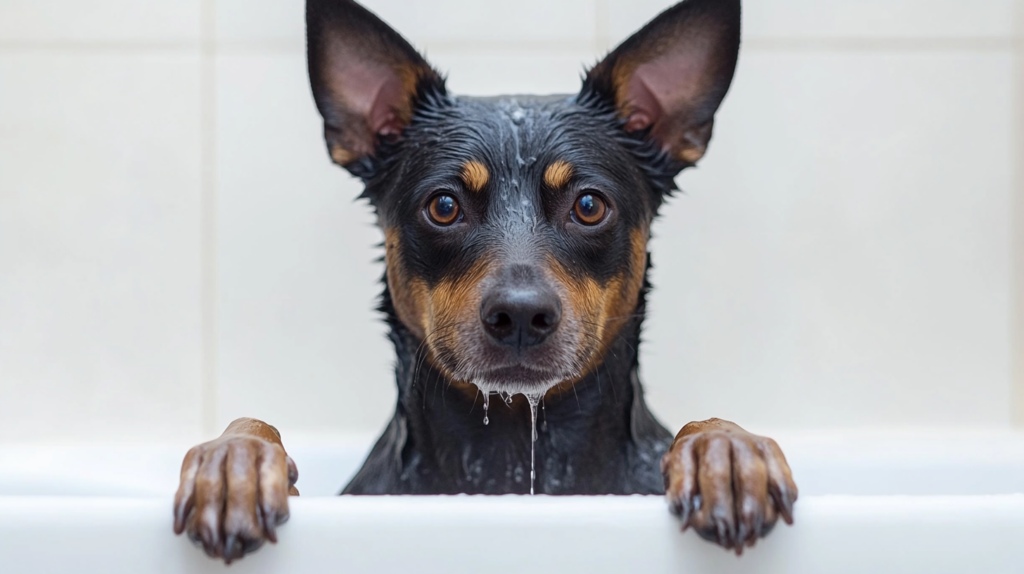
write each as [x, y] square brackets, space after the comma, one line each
[623, 292]
[453, 311]
[602, 310]
[409, 295]
[586, 306]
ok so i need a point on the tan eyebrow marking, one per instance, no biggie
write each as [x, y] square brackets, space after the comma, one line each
[475, 175]
[558, 174]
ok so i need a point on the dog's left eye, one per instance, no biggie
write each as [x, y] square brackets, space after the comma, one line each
[443, 209]
[589, 209]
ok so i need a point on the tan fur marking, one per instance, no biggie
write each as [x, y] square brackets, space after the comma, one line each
[620, 77]
[455, 302]
[622, 306]
[603, 310]
[558, 174]
[409, 295]
[454, 307]
[435, 314]
[691, 154]
[341, 156]
[475, 175]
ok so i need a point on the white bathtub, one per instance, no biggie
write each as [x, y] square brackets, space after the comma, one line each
[896, 503]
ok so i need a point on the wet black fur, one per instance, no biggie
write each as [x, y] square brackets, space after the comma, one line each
[598, 436]
[594, 437]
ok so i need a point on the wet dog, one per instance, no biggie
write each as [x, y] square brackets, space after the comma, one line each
[516, 233]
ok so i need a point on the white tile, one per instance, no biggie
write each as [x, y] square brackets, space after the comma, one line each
[881, 18]
[261, 20]
[425, 23]
[492, 72]
[299, 344]
[831, 19]
[103, 20]
[99, 246]
[841, 258]
[491, 20]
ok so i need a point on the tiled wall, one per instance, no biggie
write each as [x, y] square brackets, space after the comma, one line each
[176, 250]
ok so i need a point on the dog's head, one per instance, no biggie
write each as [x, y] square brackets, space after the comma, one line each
[516, 228]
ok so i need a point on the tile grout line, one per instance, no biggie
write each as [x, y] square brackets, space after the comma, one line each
[1017, 228]
[208, 151]
[855, 44]
[126, 45]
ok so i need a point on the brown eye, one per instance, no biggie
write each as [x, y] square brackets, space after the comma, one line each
[589, 209]
[443, 209]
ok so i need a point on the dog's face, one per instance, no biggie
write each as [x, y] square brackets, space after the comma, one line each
[516, 228]
[515, 239]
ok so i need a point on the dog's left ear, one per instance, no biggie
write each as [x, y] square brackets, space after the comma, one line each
[365, 78]
[671, 76]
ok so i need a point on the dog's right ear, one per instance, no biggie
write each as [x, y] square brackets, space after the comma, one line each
[668, 79]
[365, 78]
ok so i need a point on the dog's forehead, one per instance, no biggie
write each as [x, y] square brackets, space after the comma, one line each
[513, 130]
[516, 138]
[520, 110]
[520, 137]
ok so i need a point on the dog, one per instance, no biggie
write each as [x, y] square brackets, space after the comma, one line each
[516, 263]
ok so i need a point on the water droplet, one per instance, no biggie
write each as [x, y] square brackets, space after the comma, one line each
[533, 399]
[487, 403]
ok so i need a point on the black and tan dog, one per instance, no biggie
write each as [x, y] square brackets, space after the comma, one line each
[516, 256]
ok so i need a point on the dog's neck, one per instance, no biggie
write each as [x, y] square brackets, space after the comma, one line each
[593, 435]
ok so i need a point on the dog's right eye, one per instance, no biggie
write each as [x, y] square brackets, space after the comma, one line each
[589, 210]
[443, 209]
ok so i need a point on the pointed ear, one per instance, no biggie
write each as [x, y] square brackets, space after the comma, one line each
[671, 76]
[365, 77]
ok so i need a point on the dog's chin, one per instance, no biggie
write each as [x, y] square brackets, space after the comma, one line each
[517, 380]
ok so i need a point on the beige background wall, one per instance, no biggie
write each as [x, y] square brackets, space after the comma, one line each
[176, 250]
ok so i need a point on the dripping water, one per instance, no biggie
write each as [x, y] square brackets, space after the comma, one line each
[534, 400]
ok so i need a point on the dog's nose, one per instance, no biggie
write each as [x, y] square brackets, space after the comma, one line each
[520, 316]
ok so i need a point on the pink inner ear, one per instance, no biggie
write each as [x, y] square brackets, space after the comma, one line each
[644, 108]
[666, 85]
[373, 91]
[383, 118]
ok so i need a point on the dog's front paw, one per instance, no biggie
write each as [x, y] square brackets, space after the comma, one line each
[729, 485]
[234, 492]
